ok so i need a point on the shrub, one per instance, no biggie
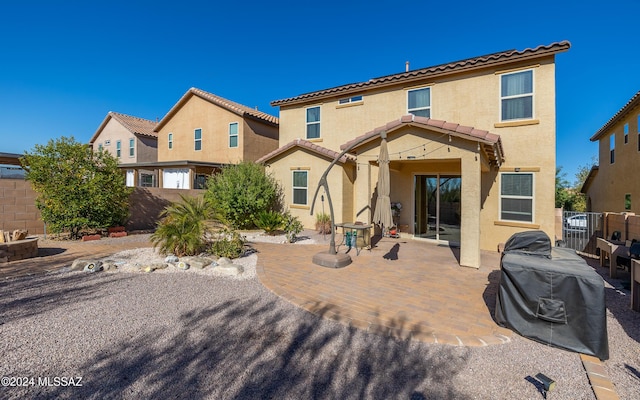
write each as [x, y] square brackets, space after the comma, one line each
[227, 243]
[182, 229]
[323, 223]
[77, 188]
[270, 221]
[292, 227]
[241, 192]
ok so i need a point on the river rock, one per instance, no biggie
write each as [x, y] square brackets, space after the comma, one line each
[197, 262]
[229, 269]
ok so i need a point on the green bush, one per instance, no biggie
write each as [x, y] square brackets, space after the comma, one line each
[76, 188]
[292, 227]
[270, 221]
[182, 229]
[323, 223]
[227, 243]
[239, 193]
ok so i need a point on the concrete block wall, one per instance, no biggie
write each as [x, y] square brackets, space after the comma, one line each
[18, 207]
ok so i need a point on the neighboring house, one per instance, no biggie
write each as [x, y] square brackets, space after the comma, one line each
[471, 143]
[613, 185]
[204, 132]
[133, 142]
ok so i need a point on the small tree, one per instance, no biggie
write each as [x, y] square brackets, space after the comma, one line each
[183, 227]
[241, 192]
[77, 188]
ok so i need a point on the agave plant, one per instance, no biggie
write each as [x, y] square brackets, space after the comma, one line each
[182, 229]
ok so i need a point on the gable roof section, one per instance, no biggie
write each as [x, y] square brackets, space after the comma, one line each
[135, 125]
[589, 179]
[236, 108]
[491, 143]
[635, 101]
[305, 144]
[474, 63]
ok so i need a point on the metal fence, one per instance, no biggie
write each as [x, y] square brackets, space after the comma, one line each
[580, 230]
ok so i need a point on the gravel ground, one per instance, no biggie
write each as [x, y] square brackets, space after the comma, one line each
[137, 335]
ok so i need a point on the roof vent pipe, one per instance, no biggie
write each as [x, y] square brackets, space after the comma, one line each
[406, 66]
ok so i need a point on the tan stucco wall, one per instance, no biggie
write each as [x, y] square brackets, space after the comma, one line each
[340, 181]
[214, 121]
[145, 148]
[613, 181]
[472, 100]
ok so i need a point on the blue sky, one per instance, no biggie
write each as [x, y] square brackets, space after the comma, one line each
[64, 66]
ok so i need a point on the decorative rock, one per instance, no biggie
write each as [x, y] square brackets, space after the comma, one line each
[182, 265]
[93, 266]
[229, 269]
[171, 259]
[224, 261]
[197, 262]
[80, 263]
[108, 264]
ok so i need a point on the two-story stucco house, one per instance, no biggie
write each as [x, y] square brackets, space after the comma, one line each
[612, 185]
[133, 142]
[203, 132]
[471, 144]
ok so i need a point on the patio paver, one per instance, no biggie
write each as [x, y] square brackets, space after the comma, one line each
[402, 288]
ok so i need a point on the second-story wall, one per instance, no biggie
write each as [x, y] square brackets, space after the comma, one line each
[217, 127]
[616, 187]
[144, 149]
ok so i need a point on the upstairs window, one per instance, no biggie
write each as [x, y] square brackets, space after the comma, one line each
[419, 102]
[300, 187]
[100, 147]
[313, 123]
[612, 148]
[626, 133]
[516, 197]
[170, 141]
[132, 150]
[353, 99]
[197, 135]
[516, 95]
[118, 149]
[233, 134]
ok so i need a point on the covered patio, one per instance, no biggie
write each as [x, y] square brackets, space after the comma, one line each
[401, 288]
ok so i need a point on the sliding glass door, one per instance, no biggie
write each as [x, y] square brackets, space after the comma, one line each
[437, 207]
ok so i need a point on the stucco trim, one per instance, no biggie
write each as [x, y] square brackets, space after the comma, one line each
[512, 124]
[514, 224]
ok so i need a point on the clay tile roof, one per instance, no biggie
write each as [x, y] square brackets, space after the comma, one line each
[135, 125]
[632, 103]
[485, 61]
[491, 142]
[236, 108]
[305, 144]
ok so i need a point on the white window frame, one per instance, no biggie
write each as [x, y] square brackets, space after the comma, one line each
[293, 188]
[532, 197]
[532, 95]
[170, 141]
[612, 148]
[196, 140]
[352, 99]
[411, 110]
[118, 148]
[626, 133]
[307, 123]
[236, 135]
[132, 147]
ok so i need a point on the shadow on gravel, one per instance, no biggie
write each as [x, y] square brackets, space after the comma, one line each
[256, 349]
[38, 294]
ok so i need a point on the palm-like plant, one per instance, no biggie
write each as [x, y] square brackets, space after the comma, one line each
[182, 229]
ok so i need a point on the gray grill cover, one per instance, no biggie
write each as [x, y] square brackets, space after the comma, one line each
[558, 300]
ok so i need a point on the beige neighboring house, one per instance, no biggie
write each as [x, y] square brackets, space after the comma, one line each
[203, 132]
[471, 143]
[133, 142]
[613, 184]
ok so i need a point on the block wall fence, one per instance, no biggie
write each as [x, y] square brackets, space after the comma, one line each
[18, 206]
